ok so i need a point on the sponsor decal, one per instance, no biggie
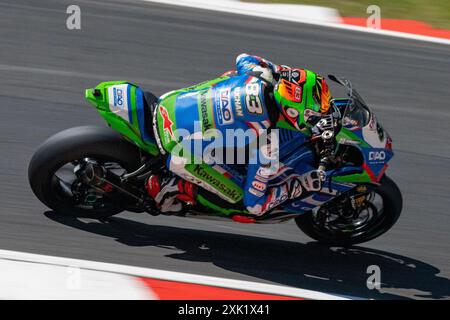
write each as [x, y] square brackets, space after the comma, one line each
[118, 97]
[259, 185]
[277, 201]
[237, 102]
[377, 155]
[224, 111]
[200, 172]
[156, 133]
[296, 76]
[206, 123]
[286, 74]
[167, 123]
[118, 101]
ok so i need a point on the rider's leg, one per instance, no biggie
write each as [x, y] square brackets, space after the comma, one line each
[280, 188]
[170, 193]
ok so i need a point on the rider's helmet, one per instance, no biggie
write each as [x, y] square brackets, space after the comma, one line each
[302, 97]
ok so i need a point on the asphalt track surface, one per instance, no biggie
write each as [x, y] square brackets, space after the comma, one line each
[44, 69]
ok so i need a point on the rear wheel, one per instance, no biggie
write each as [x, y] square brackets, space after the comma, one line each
[52, 171]
[345, 222]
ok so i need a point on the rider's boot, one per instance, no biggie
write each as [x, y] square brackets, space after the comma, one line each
[171, 194]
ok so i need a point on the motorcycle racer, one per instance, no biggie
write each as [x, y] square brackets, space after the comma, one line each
[260, 96]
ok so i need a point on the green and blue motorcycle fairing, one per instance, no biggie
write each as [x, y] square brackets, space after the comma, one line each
[95, 172]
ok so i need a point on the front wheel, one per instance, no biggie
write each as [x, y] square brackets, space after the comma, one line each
[53, 167]
[344, 223]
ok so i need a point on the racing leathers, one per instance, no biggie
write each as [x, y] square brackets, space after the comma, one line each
[192, 119]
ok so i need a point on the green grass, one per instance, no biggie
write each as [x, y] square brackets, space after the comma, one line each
[434, 12]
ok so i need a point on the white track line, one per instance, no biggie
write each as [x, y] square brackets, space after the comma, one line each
[267, 11]
[168, 275]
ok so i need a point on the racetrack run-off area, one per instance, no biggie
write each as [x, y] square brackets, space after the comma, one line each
[45, 68]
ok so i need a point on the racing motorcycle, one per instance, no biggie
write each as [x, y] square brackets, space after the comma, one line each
[97, 172]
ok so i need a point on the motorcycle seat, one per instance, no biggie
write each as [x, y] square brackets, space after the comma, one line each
[150, 103]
